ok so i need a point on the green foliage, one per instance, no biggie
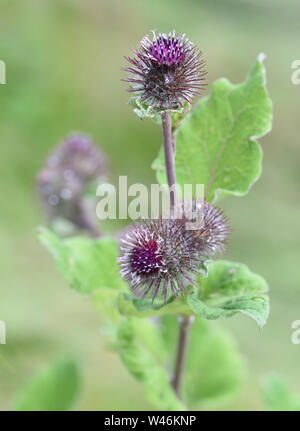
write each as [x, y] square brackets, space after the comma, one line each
[90, 267]
[228, 289]
[214, 370]
[132, 306]
[106, 301]
[53, 388]
[143, 353]
[278, 395]
[86, 264]
[216, 145]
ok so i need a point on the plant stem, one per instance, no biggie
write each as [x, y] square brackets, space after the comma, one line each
[174, 142]
[89, 224]
[169, 145]
[93, 231]
[169, 140]
[181, 353]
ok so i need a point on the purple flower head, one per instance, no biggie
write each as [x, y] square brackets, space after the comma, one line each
[68, 171]
[161, 257]
[166, 49]
[167, 71]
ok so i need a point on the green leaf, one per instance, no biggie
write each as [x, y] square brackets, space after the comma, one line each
[53, 388]
[279, 395]
[106, 301]
[215, 370]
[216, 145]
[143, 353]
[85, 263]
[228, 289]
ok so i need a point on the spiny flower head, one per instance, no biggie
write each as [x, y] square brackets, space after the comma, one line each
[167, 71]
[209, 225]
[64, 179]
[162, 256]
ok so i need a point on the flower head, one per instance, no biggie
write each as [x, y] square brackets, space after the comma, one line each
[68, 171]
[162, 257]
[167, 71]
[209, 225]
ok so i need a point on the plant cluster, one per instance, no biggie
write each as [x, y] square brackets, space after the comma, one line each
[159, 287]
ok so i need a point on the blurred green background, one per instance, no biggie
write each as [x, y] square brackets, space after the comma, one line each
[63, 63]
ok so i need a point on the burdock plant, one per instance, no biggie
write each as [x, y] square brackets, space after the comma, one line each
[167, 270]
[168, 71]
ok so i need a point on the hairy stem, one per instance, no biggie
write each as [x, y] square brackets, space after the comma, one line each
[169, 139]
[169, 151]
[174, 142]
[181, 352]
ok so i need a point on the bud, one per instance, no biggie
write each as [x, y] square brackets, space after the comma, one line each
[167, 71]
[64, 180]
[161, 257]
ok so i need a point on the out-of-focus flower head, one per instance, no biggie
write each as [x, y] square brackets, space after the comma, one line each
[63, 181]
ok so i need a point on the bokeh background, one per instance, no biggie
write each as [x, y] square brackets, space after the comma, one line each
[63, 63]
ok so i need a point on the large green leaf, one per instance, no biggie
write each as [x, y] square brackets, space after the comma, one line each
[53, 388]
[143, 353]
[215, 369]
[279, 395]
[216, 145]
[85, 263]
[228, 289]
